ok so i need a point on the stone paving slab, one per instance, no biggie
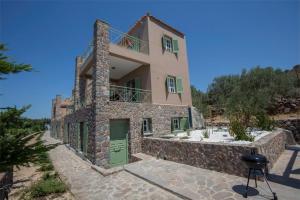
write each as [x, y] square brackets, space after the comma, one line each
[87, 184]
[169, 178]
[196, 183]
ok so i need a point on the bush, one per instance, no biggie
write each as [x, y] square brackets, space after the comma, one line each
[264, 122]
[46, 167]
[238, 130]
[47, 185]
[205, 134]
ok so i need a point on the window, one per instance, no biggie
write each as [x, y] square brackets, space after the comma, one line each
[167, 43]
[180, 123]
[171, 84]
[176, 123]
[170, 44]
[147, 125]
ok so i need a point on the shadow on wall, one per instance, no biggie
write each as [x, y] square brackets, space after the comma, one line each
[285, 179]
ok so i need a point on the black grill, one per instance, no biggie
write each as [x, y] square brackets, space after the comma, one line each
[256, 161]
[257, 165]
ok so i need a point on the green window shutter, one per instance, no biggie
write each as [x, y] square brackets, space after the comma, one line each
[163, 39]
[138, 83]
[184, 123]
[167, 84]
[85, 137]
[179, 87]
[78, 135]
[175, 46]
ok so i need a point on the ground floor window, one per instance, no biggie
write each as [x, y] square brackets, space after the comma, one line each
[180, 123]
[147, 125]
[176, 123]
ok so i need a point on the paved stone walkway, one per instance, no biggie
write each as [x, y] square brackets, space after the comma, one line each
[177, 180]
[85, 183]
[196, 183]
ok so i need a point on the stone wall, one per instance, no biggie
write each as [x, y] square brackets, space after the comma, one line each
[160, 115]
[216, 156]
[292, 125]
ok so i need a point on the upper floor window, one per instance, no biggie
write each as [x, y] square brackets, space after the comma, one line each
[174, 84]
[171, 84]
[170, 44]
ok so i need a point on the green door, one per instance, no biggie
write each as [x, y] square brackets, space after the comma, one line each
[85, 137]
[119, 142]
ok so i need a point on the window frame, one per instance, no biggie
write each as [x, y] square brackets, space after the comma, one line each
[168, 43]
[148, 125]
[178, 123]
[171, 88]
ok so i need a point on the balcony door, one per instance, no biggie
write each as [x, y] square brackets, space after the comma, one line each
[133, 91]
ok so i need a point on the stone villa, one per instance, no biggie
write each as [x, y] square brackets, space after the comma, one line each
[127, 86]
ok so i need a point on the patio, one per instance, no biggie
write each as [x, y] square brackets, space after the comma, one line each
[196, 183]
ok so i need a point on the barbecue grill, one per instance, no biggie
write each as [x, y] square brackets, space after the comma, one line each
[257, 165]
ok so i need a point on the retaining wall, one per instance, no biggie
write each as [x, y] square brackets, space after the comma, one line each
[222, 157]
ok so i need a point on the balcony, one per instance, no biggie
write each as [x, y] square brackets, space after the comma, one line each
[121, 45]
[132, 95]
[128, 41]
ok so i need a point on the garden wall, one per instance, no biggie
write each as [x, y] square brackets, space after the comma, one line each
[220, 157]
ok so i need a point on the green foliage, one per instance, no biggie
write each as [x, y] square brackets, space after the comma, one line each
[220, 90]
[49, 184]
[264, 122]
[238, 130]
[18, 143]
[249, 93]
[10, 67]
[200, 101]
[205, 134]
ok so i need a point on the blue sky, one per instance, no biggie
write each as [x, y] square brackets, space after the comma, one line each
[223, 37]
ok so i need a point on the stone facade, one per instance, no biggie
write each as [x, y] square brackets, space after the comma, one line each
[220, 157]
[100, 110]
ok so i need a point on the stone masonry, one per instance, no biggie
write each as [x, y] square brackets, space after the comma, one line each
[222, 157]
[101, 110]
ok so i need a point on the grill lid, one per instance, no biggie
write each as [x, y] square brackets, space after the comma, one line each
[255, 158]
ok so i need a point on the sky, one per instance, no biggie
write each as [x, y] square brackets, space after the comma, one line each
[223, 37]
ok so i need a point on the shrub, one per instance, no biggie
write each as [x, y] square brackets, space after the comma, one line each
[205, 134]
[238, 130]
[46, 167]
[264, 122]
[46, 186]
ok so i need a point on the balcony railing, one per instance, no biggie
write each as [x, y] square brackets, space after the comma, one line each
[87, 52]
[121, 39]
[128, 41]
[126, 94]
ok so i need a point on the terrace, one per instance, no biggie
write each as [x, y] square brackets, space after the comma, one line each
[129, 65]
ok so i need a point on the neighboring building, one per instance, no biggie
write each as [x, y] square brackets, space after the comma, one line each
[127, 86]
[60, 108]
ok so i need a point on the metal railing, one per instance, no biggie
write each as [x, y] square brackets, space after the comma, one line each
[126, 94]
[122, 39]
[87, 53]
[128, 41]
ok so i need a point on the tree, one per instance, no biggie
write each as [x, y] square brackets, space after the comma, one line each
[200, 101]
[16, 131]
[10, 67]
[16, 139]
